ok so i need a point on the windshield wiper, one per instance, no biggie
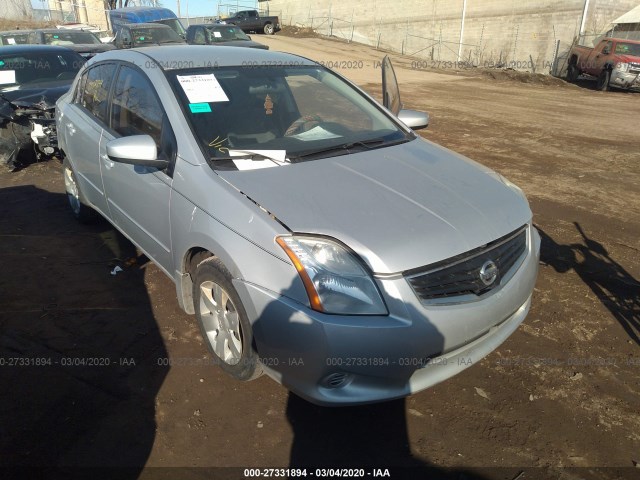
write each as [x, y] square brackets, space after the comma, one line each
[345, 148]
[277, 157]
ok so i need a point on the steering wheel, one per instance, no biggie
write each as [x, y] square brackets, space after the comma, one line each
[303, 124]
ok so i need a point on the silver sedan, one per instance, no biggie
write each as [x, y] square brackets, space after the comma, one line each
[315, 237]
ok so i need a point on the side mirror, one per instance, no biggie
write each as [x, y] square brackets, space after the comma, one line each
[136, 150]
[606, 51]
[413, 119]
[249, 37]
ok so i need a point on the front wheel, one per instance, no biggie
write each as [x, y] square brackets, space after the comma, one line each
[572, 73]
[603, 80]
[223, 321]
[82, 212]
[268, 29]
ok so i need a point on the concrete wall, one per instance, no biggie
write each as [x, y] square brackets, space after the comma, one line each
[17, 9]
[513, 33]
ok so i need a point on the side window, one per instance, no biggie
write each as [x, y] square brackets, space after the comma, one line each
[135, 109]
[253, 14]
[199, 38]
[95, 85]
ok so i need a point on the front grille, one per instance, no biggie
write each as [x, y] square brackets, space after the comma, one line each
[461, 275]
[634, 67]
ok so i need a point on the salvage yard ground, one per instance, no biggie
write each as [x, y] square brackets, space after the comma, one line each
[563, 391]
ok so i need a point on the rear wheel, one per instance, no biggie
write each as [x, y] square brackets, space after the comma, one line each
[603, 80]
[82, 212]
[269, 29]
[223, 321]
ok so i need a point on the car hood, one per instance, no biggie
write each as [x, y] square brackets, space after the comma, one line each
[37, 92]
[399, 207]
[628, 58]
[88, 50]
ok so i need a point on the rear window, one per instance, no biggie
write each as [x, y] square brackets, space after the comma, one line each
[70, 38]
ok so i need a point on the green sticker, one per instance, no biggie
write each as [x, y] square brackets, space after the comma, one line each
[141, 38]
[200, 107]
[1, 63]
[56, 36]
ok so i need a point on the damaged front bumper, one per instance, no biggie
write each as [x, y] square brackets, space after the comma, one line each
[26, 129]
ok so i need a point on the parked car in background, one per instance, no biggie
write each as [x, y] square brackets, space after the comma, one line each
[14, 37]
[135, 35]
[32, 78]
[313, 234]
[251, 21]
[615, 62]
[219, 34]
[122, 16]
[86, 44]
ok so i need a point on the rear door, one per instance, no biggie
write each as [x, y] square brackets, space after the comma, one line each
[138, 197]
[84, 120]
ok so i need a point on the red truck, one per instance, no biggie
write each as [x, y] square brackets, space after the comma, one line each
[615, 62]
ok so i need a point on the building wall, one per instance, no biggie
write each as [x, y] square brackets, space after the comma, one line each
[514, 33]
[17, 9]
[91, 12]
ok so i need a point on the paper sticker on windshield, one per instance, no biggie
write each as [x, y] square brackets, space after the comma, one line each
[202, 88]
[11, 41]
[7, 76]
[217, 34]
[200, 107]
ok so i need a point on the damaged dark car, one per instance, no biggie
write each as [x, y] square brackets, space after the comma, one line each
[32, 78]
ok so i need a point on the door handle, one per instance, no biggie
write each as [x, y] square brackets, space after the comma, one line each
[107, 161]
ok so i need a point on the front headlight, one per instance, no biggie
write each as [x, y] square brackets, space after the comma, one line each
[622, 67]
[335, 280]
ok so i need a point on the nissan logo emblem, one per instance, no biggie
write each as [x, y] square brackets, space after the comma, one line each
[488, 273]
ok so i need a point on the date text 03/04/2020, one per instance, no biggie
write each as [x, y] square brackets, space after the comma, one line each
[318, 472]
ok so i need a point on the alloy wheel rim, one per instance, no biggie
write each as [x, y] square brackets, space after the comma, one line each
[221, 322]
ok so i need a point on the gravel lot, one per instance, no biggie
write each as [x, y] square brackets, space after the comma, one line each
[562, 392]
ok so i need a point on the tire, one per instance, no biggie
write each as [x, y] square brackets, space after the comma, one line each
[80, 209]
[572, 73]
[268, 29]
[223, 321]
[603, 80]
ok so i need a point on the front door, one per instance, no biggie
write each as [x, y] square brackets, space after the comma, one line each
[139, 197]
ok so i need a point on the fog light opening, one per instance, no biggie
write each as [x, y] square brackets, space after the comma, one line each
[336, 380]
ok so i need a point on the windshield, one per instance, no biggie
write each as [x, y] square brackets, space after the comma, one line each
[70, 38]
[628, 49]
[219, 34]
[304, 111]
[154, 36]
[175, 25]
[19, 69]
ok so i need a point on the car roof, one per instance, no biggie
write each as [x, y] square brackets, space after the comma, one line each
[60, 30]
[173, 57]
[13, 49]
[147, 25]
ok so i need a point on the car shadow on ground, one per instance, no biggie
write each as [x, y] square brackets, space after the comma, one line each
[370, 437]
[616, 288]
[373, 438]
[79, 347]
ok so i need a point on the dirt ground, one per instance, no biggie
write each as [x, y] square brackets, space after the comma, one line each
[559, 399]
